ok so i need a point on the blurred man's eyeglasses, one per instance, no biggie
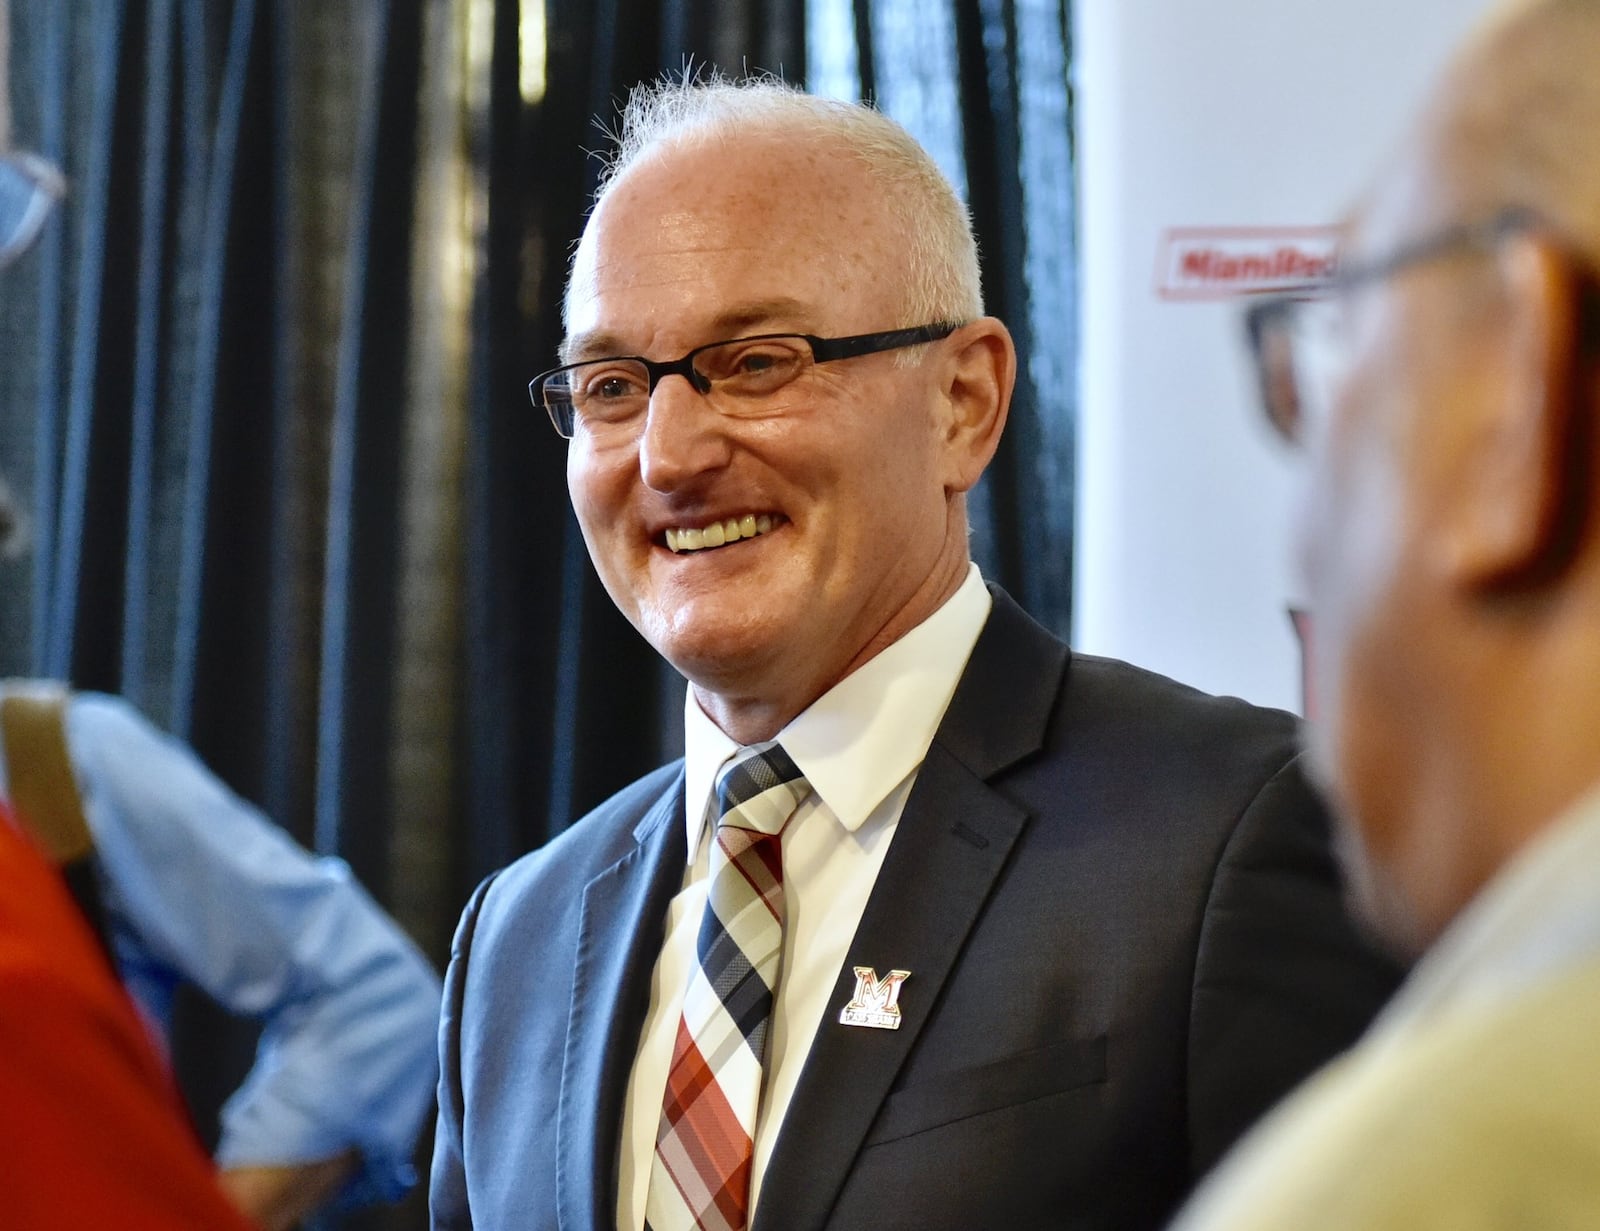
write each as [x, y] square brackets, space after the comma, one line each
[741, 377]
[1298, 341]
[29, 189]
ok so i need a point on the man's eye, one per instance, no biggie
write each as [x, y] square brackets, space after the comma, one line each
[755, 367]
[754, 362]
[611, 385]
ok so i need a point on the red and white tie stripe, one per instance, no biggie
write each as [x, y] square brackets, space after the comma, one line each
[700, 1180]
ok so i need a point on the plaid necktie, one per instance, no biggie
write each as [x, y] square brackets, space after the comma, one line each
[700, 1180]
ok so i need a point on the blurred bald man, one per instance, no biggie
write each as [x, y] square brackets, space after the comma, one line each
[1447, 395]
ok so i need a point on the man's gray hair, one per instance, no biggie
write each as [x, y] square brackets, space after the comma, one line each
[943, 280]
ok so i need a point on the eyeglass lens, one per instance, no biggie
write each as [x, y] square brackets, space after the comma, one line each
[745, 377]
[1300, 352]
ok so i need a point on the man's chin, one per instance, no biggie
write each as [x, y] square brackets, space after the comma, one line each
[1373, 897]
[727, 666]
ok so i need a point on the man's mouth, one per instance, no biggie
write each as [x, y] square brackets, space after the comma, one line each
[719, 533]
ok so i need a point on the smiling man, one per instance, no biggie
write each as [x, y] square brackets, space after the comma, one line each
[936, 925]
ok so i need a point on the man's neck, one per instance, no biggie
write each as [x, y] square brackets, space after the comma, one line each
[758, 714]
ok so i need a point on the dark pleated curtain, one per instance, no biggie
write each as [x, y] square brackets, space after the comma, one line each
[986, 84]
[203, 394]
[262, 386]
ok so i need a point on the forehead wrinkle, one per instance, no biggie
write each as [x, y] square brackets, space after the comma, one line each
[652, 239]
[766, 315]
[631, 271]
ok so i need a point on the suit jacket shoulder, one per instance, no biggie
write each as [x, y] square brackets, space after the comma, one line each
[548, 980]
[519, 895]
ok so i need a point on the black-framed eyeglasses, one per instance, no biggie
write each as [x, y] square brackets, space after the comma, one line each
[1297, 340]
[741, 377]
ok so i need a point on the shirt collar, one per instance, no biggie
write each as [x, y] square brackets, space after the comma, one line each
[862, 737]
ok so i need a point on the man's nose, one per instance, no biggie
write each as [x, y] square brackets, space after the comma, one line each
[685, 437]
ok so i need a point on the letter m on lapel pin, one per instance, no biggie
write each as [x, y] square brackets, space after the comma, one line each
[876, 1002]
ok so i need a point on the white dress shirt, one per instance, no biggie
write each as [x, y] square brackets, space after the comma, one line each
[859, 745]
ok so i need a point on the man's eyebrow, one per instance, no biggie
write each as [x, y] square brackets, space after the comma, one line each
[783, 313]
[766, 315]
[589, 346]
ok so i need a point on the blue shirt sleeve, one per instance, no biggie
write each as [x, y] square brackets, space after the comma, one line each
[200, 886]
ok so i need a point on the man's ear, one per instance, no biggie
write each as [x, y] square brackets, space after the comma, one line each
[977, 380]
[1526, 496]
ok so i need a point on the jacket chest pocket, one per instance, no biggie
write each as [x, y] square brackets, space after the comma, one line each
[944, 1098]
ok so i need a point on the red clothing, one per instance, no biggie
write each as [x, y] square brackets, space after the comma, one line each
[91, 1130]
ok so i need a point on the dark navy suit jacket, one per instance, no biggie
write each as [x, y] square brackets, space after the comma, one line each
[1126, 940]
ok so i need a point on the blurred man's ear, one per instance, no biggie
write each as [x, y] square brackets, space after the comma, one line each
[1527, 489]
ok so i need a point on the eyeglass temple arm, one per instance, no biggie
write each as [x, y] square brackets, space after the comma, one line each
[827, 349]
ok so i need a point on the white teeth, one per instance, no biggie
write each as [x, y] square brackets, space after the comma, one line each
[719, 532]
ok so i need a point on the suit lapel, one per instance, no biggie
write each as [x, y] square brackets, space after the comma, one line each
[620, 934]
[952, 841]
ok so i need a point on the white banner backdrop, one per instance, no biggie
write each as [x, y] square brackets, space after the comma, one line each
[1216, 144]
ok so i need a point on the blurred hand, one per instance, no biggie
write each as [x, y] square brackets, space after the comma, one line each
[279, 1197]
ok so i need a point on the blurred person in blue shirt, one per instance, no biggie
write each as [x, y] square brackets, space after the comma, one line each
[199, 887]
